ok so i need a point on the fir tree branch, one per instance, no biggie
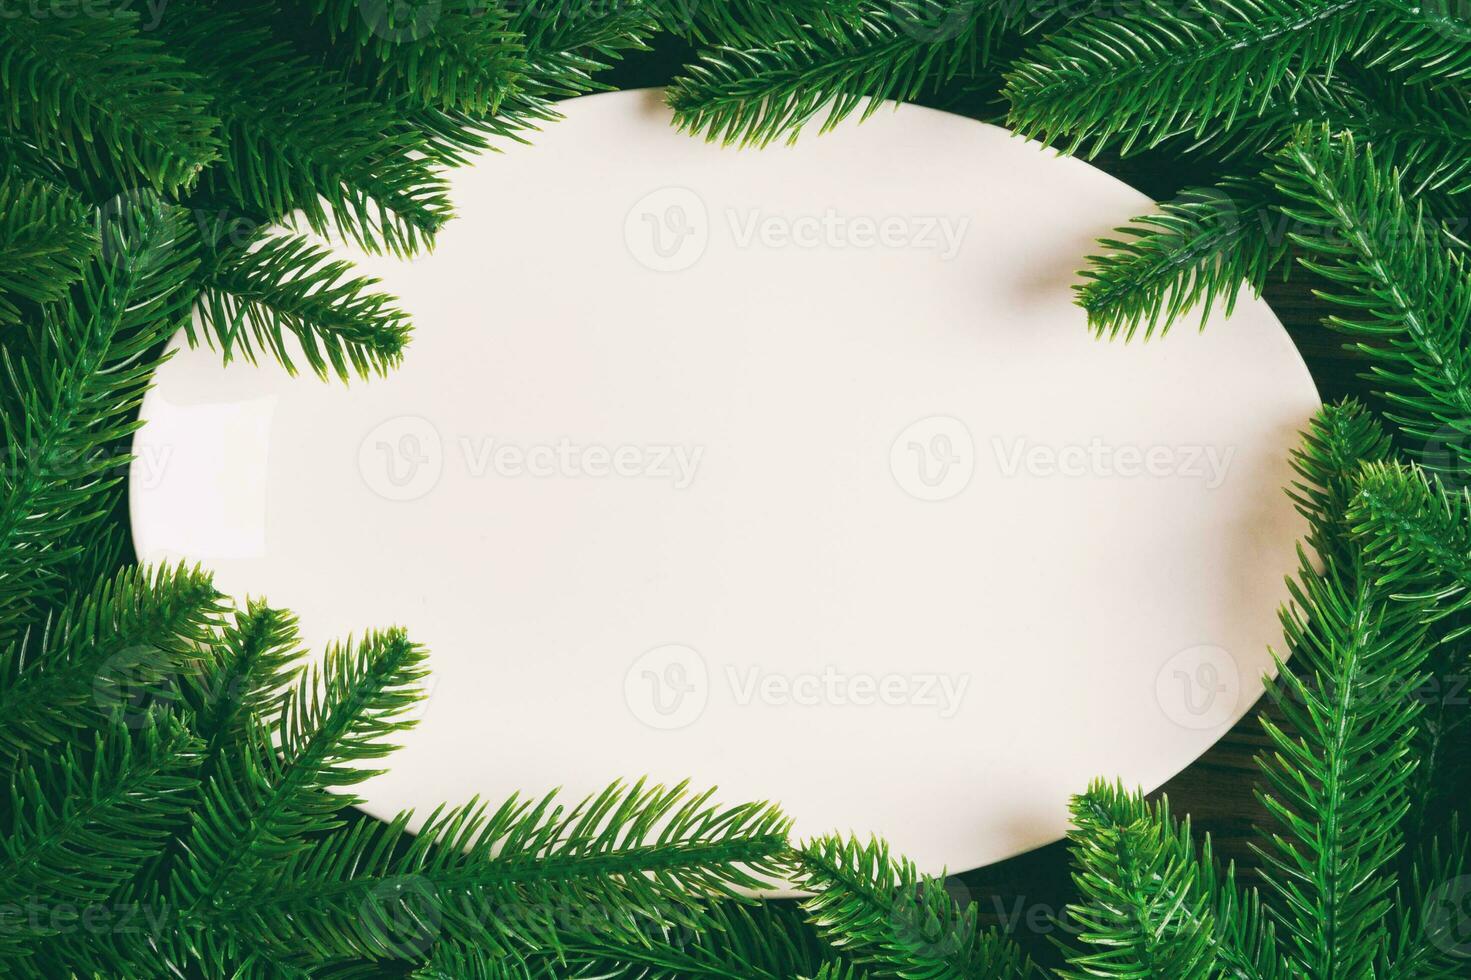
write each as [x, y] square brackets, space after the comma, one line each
[1408, 297]
[562, 54]
[1418, 536]
[46, 238]
[1338, 441]
[895, 51]
[1419, 130]
[734, 941]
[752, 23]
[271, 793]
[79, 826]
[73, 381]
[1418, 541]
[1197, 250]
[453, 54]
[129, 637]
[1150, 907]
[1427, 943]
[1340, 765]
[1422, 131]
[102, 549]
[1162, 70]
[299, 138]
[528, 878]
[255, 658]
[94, 92]
[880, 910]
[252, 298]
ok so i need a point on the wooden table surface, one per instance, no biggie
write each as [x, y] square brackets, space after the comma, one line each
[1024, 893]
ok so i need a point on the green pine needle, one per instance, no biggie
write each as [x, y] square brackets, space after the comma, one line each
[1150, 906]
[286, 285]
[257, 657]
[453, 54]
[840, 971]
[562, 56]
[96, 92]
[754, 95]
[46, 239]
[1419, 537]
[1338, 441]
[1423, 131]
[80, 824]
[1406, 526]
[1160, 70]
[107, 657]
[1427, 942]
[72, 381]
[1198, 250]
[527, 878]
[301, 139]
[1407, 296]
[880, 910]
[751, 23]
[271, 790]
[1339, 769]
[733, 941]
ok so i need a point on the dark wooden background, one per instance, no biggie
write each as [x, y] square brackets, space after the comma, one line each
[1025, 893]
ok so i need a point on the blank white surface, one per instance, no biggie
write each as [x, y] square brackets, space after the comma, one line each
[1093, 623]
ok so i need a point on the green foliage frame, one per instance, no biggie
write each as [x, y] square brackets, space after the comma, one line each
[180, 783]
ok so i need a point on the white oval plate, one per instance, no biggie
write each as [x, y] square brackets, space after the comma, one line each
[792, 471]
